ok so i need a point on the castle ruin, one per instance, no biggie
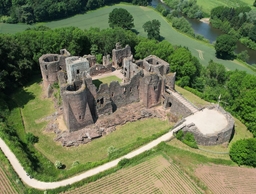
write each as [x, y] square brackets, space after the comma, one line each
[148, 80]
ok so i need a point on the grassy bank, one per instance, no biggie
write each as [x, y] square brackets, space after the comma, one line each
[207, 6]
[99, 18]
[241, 131]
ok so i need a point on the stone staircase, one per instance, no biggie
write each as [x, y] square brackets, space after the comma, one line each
[183, 100]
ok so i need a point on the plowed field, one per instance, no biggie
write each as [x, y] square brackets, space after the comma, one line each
[225, 179]
[156, 175]
[5, 185]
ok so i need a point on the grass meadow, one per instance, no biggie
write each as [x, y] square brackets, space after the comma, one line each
[33, 108]
[207, 6]
[99, 18]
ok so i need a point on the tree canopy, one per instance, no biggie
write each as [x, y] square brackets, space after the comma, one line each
[225, 46]
[153, 29]
[243, 152]
[120, 17]
[30, 11]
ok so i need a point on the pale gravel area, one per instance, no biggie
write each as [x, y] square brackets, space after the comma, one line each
[116, 73]
[208, 121]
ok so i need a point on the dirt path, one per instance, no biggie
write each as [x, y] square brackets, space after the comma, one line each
[201, 56]
[52, 185]
[117, 73]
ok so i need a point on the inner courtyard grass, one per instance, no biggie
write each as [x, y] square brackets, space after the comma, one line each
[106, 80]
[99, 18]
[34, 108]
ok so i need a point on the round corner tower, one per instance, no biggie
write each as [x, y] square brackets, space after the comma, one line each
[49, 65]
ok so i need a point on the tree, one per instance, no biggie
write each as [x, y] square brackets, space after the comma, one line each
[224, 46]
[243, 152]
[58, 164]
[244, 56]
[31, 139]
[252, 33]
[153, 29]
[120, 17]
[254, 4]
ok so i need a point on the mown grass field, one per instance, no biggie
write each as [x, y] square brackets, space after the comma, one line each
[105, 80]
[209, 5]
[99, 18]
[34, 107]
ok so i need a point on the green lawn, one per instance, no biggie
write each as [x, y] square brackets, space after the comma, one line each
[33, 107]
[105, 80]
[209, 5]
[99, 18]
[197, 101]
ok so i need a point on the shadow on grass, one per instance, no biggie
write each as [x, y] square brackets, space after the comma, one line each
[20, 96]
[97, 83]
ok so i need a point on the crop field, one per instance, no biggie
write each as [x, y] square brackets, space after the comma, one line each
[99, 18]
[156, 175]
[209, 5]
[225, 179]
[5, 185]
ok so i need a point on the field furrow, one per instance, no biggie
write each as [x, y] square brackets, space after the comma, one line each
[156, 175]
[5, 185]
[225, 179]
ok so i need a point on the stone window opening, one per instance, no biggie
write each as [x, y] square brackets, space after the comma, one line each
[80, 117]
[130, 89]
[124, 74]
[45, 67]
[100, 101]
[112, 94]
[125, 69]
[77, 71]
[55, 58]
[149, 69]
[155, 88]
[46, 76]
[169, 104]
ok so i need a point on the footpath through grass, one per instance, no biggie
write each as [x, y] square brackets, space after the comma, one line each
[99, 18]
[34, 108]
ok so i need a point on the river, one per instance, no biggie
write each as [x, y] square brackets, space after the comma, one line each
[211, 33]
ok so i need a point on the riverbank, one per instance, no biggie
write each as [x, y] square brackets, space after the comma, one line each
[205, 20]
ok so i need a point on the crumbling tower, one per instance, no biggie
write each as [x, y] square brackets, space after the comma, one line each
[50, 64]
[119, 53]
[77, 112]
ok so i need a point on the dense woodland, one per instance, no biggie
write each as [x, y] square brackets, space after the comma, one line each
[238, 22]
[30, 11]
[188, 8]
